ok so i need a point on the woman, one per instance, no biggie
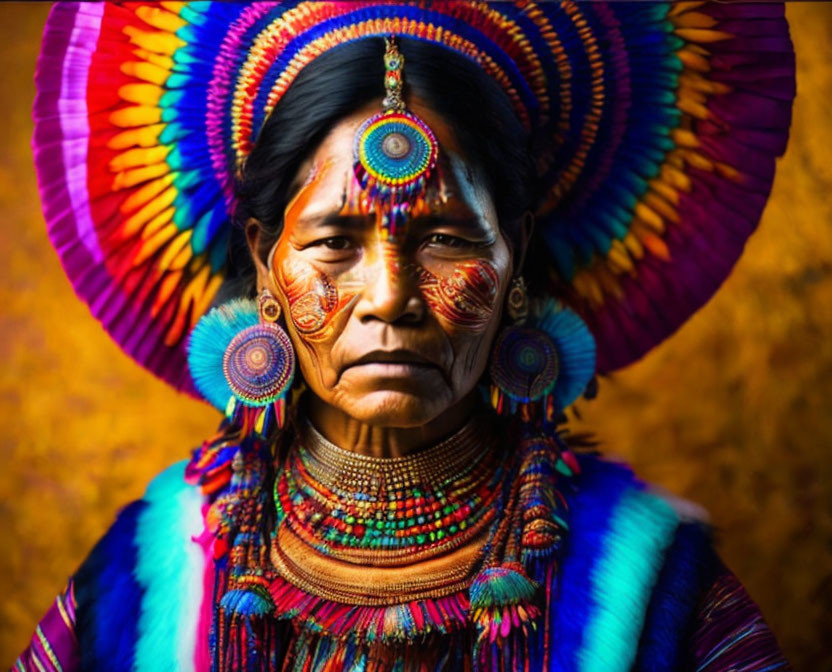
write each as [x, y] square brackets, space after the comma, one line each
[419, 193]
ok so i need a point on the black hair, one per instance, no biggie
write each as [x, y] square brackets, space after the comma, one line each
[346, 78]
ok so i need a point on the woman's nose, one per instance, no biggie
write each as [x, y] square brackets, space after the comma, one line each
[391, 294]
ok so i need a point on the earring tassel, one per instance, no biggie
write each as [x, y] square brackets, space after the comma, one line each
[279, 406]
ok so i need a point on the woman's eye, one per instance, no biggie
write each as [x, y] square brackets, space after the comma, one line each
[447, 240]
[334, 243]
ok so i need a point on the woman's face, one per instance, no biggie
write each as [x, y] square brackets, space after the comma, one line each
[390, 332]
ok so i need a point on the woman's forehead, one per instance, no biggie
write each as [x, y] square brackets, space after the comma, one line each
[338, 144]
[329, 189]
[325, 183]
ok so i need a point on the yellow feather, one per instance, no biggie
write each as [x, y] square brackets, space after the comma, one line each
[698, 160]
[608, 281]
[166, 289]
[156, 41]
[189, 303]
[147, 72]
[151, 246]
[171, 254]
[160, 18]
[620, 257]
[144, 136]
[203, 300]
[689, 105]
[145, 194]
[654, 244]
[676, 177]
[661, 206]
[159, 60]
[650, 217]
[678, 8]
[634, 246]
[152, 209]
[694, 61]
[728, 171]
[684, 138]
[702, 35]
[175, 7]
[139, 157]
[665, 190]
[139, 115]
[130, 178]
[694, 20]
[707, 86]
[180, 260]
[588, 287]
[157, 222]
[143, 94]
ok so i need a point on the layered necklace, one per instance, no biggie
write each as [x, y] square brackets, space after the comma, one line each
[438, 560]
[385, 548]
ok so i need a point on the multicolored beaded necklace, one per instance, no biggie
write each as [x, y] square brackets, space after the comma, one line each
[375, 534]
[323, 554]
[390, 511]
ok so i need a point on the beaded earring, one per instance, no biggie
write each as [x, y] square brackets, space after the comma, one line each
[243, 362]
[539, 365]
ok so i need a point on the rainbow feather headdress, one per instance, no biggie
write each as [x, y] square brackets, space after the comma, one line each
[657, 126]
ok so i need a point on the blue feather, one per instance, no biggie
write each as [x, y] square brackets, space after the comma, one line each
[207, 345]
[575, 347]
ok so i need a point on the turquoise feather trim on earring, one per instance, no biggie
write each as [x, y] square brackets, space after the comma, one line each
[543, 362]
[243, 362]
[539, 365]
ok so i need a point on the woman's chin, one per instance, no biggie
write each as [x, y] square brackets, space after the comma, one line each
[396, 408]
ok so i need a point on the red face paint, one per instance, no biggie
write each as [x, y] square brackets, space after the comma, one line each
[313, 297]
[466, 297]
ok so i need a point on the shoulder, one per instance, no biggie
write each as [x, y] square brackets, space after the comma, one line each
[142, 576]
[634, 569]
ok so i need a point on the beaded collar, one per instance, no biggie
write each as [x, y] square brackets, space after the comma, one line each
[372, 531]
[455, 540]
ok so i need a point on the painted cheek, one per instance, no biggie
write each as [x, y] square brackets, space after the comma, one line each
[465, 298]
[313, 297]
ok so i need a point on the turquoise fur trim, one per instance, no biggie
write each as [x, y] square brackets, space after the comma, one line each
[207, 345]
[641, 529]
[170, 567]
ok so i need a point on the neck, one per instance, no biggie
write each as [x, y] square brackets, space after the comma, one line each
[382, 441]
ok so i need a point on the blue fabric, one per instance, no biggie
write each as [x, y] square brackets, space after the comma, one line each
[627, 588]
[109, 598]
[688, 568]
[628, 563]
[597, 491]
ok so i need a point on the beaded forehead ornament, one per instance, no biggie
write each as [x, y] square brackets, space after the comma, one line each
[655, 130]
[395, 151]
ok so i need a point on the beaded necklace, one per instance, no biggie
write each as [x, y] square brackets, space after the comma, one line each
[368, 559]
[374, 532]
[390, 511]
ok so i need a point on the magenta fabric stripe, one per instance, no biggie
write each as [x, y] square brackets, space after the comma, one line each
[202, 653]
[732, 634]
[54, 647]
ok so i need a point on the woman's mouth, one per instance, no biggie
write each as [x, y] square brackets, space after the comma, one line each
[393, 364]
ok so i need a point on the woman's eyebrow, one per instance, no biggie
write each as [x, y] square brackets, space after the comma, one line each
[335, 218]
[468, 222]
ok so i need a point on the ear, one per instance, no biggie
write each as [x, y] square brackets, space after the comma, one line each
[254, 238]
[525, 230]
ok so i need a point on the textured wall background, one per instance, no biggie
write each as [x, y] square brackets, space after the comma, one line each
[734, 412]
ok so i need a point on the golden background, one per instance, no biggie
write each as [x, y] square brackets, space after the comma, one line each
[733, 412]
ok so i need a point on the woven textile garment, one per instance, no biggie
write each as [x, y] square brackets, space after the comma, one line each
[639, 588]
[658, 125]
